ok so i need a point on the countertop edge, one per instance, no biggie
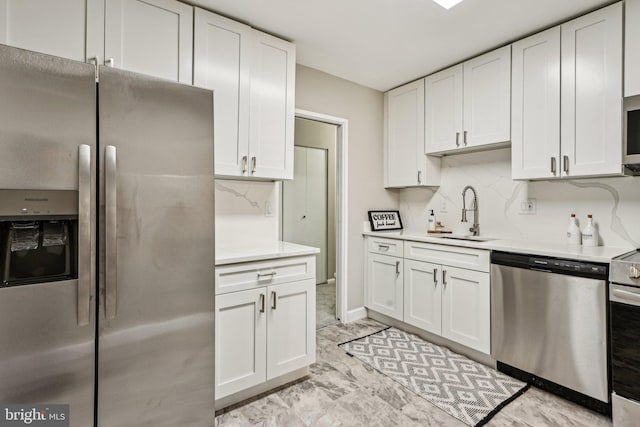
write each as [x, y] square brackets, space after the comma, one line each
[288, 250]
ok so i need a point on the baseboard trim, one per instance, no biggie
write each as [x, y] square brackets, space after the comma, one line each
[356, 314]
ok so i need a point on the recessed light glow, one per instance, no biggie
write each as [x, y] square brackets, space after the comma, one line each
[447, 4]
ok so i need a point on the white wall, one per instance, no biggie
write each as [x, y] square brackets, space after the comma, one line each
[614, 202]
[363, 107]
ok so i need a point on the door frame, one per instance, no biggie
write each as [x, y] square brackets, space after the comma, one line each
[342, 207]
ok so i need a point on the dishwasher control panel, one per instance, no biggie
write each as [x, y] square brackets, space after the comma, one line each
[567, 265]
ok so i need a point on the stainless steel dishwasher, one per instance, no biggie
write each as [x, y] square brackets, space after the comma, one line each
[549, 325]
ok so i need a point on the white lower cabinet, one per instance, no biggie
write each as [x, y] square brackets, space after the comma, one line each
[265, 332]
[441, 289]
[384, 276]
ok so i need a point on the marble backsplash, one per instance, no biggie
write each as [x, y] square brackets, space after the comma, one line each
[246, 211]
[613, 202]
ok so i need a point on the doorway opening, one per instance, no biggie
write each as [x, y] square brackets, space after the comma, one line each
[314, 209]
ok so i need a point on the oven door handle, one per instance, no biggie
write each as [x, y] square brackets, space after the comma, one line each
[624, 296]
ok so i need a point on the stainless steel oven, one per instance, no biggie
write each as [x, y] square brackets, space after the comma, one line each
[624, 294]
[632, 135]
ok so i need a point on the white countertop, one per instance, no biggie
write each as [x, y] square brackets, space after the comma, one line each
[257, 251]
[581, 253]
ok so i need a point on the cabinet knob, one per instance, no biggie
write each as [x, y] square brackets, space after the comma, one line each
[634, 272]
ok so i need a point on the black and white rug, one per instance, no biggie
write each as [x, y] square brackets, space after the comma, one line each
[467, 390]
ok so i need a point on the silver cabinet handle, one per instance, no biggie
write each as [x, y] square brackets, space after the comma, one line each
[85, 276]
[435, 276]
[553, 165]
[244, 164]
[254, 164]
[444, 277]
[110, 62]
[565, 164]
[273, 300]
[419, 177]
[262, 303]
[271, 274]
[397, 267]
[111, 225]
[464, 138]
[385, 247]
[457, 139]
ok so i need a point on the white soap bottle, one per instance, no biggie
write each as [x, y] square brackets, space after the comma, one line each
[574, 236]
[431, 221]
[589, 233]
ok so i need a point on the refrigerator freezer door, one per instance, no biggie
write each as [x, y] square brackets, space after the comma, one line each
[47, 330]
[156, 342]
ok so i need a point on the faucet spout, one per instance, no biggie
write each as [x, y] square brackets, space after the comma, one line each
[475, 229]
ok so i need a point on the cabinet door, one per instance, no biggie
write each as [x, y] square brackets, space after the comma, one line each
[487, 98]
[292, 327]
[422, 295]
[385, 285]
[153, 37]
[591, 108]
[632, 48]
[241, 341]
[443, 110]
[221, 52]
[272, 107]
[71, 29]
[466, 314]
[535, 111]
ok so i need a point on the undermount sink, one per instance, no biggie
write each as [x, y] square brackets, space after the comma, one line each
[469, 238]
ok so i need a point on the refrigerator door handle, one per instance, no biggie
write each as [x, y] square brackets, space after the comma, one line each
[85, 278]
[110, 205]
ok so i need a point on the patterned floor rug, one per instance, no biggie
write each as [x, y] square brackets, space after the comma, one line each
[467, 390]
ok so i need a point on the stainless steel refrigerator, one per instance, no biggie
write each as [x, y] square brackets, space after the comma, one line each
[106, 243]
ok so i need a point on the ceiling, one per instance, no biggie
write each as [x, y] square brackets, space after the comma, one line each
[385, 43]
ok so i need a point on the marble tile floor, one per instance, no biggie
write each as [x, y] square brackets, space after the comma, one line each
[325, 305]
[342, 391]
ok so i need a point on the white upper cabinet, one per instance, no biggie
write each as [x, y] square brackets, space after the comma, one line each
[443, 109]
[535, 111]
[632, 48]
[591, 107]
[468, 106]
[153, 37]
[272, 111]
[487, 98]
[71, 29]
[406, 164]
[221, 62]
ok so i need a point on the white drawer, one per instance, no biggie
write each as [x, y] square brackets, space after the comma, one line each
[380, 245]
[469, 258]
[248, 275]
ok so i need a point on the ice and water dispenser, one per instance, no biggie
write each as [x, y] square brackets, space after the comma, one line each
[38, 236]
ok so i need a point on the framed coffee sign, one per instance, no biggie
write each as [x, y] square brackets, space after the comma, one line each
[385, 220]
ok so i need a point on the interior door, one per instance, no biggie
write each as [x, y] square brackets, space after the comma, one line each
[156, 326]
[71, 29]
[153, 37]
[47, 345]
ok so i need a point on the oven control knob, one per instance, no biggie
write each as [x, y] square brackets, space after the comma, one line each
[634, 272]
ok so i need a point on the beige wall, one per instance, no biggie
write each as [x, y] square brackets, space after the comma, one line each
[363, 107]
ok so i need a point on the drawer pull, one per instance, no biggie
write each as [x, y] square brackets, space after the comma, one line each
[383, 247]
[264, 275]
[262, 303]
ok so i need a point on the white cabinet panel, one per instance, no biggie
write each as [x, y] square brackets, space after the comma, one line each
[71, 29]
[153, 37]
[385, 285]
[632, 48]
[591, 108]
[443, 109]
[466, 316]
[272, 111]
[241, 340]
[406, 164]
[221, 63]
[535, 111]
[487, 98]
[291, 332]
[422, 295]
